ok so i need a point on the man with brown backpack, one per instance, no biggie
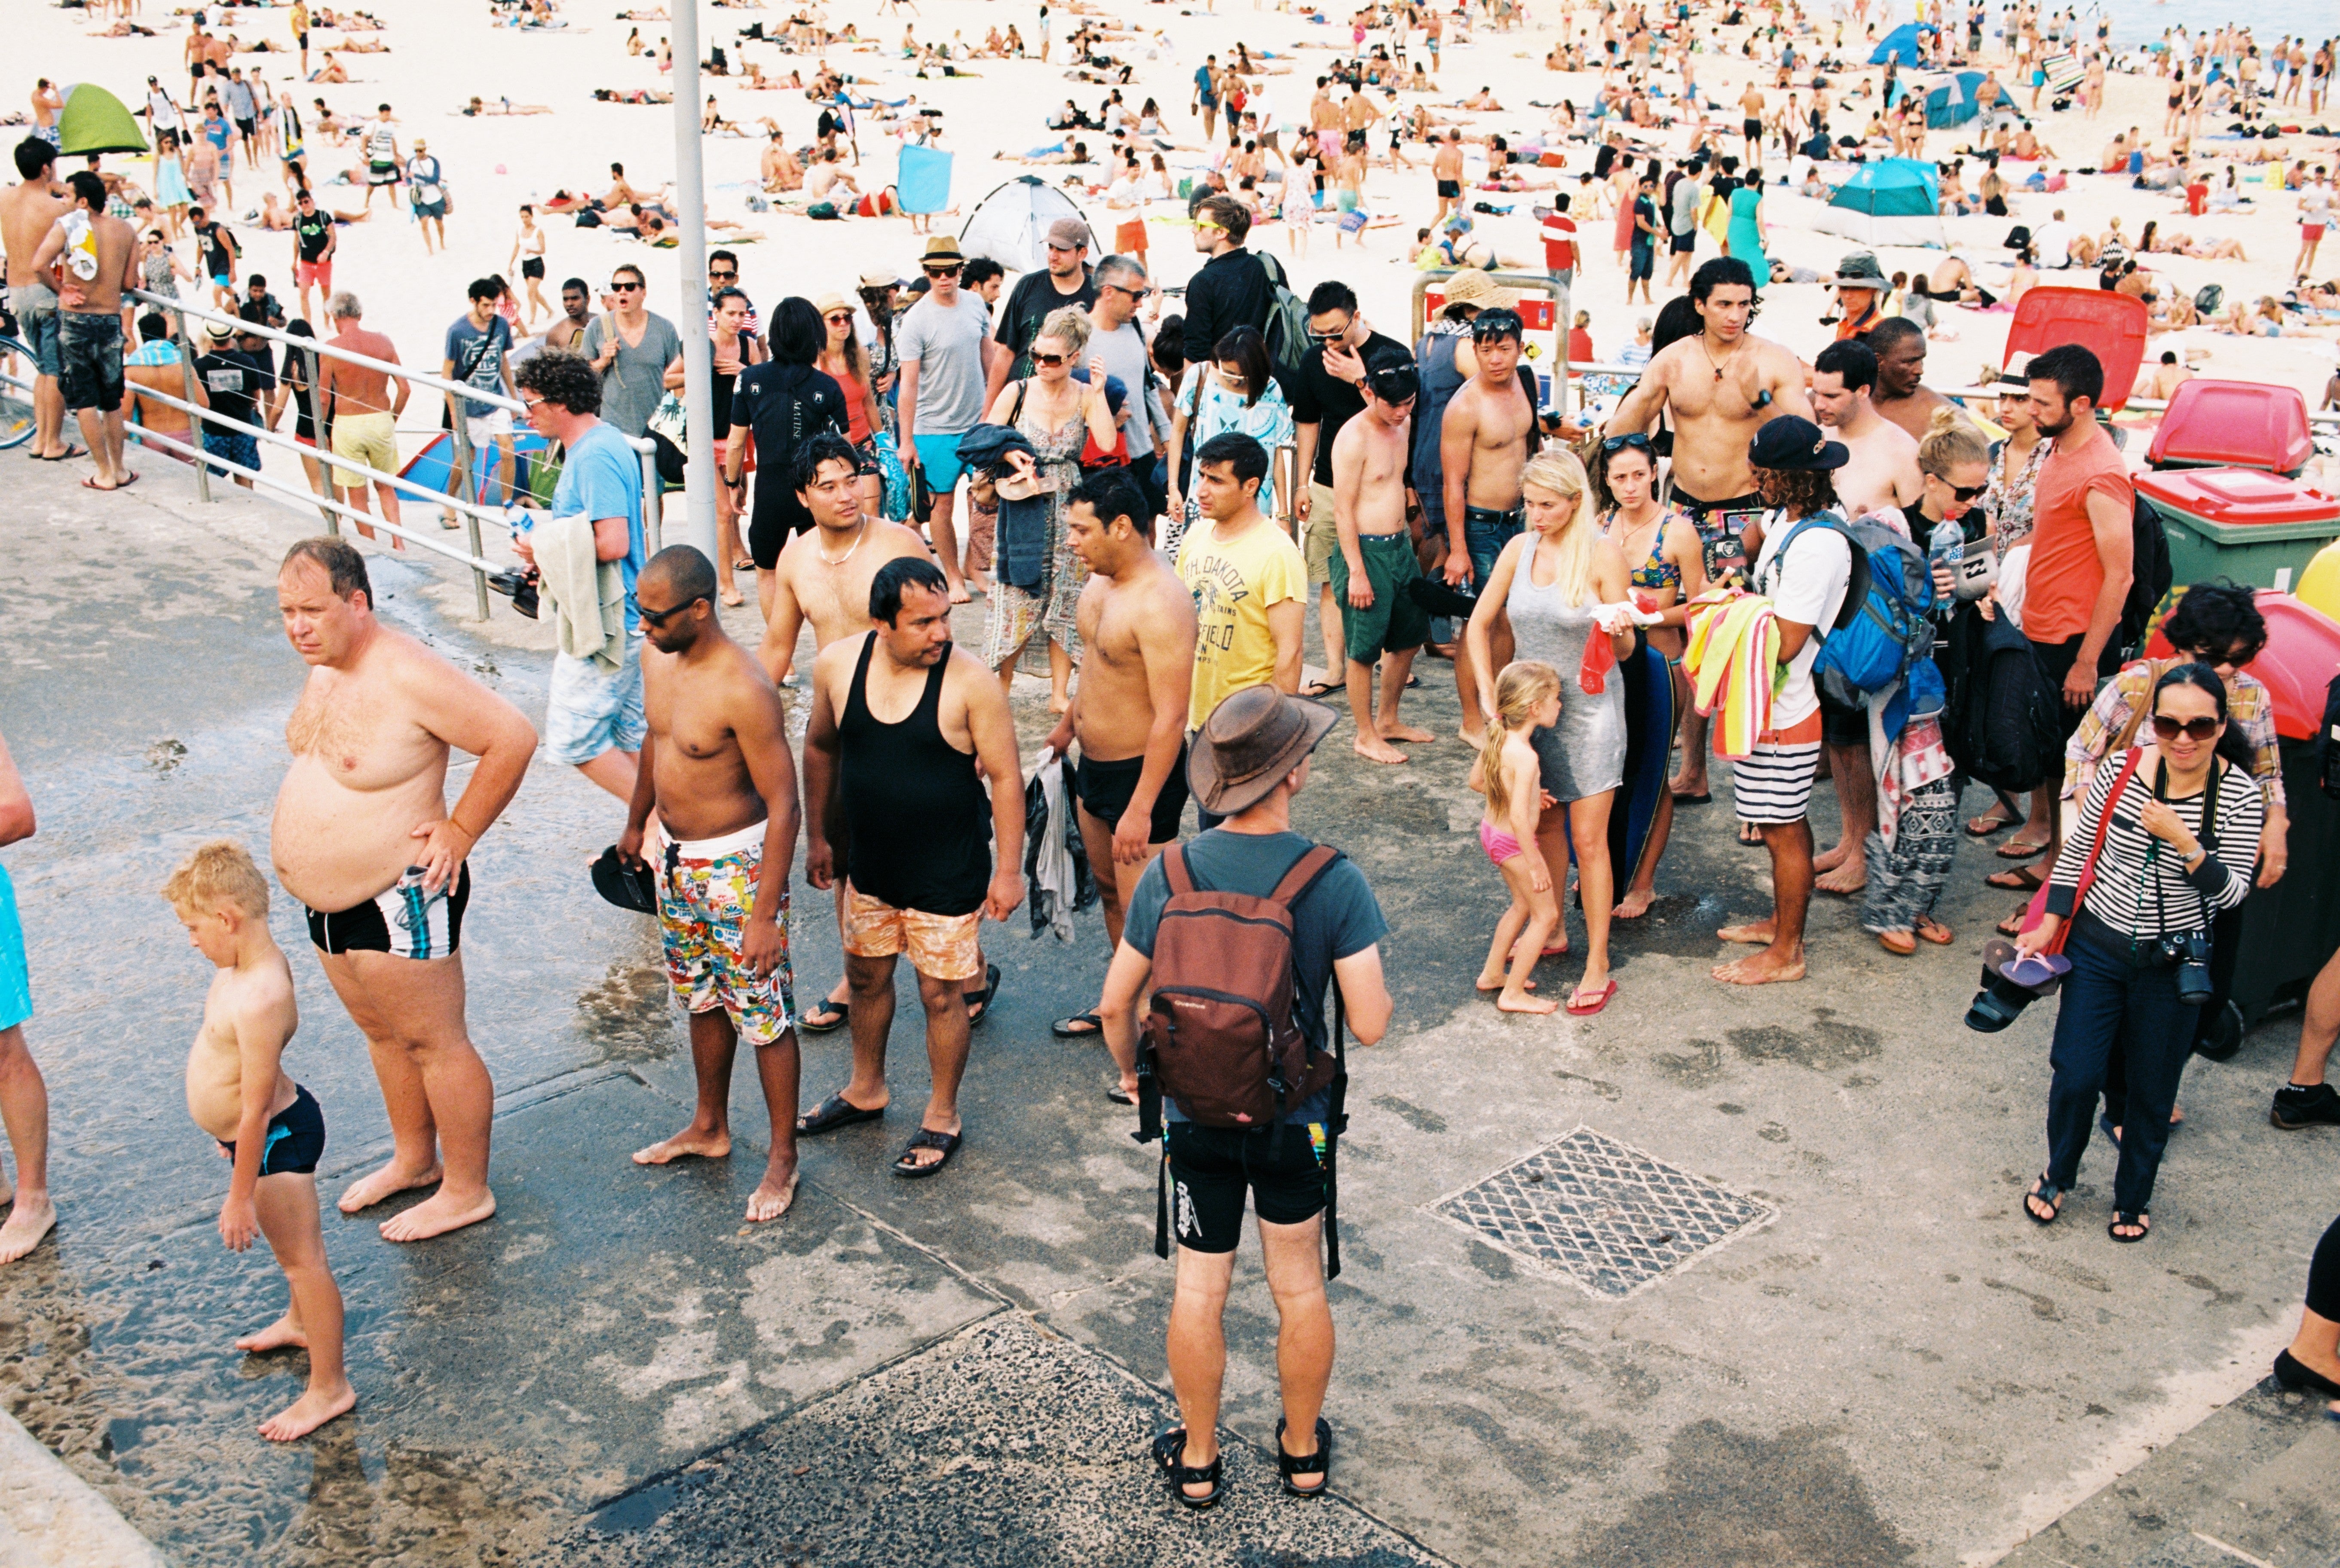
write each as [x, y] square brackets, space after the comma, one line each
[1241, 931]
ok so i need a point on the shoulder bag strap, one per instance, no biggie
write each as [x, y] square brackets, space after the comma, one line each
[2096, 847]
[2154, 670]
[1174, 871]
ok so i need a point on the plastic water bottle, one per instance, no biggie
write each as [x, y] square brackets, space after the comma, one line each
[1947, 547]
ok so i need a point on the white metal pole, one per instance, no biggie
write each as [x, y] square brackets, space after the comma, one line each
[697, 351]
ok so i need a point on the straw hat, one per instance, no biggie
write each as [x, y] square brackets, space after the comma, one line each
[829, 304]
[1472, 286]
[941, 247]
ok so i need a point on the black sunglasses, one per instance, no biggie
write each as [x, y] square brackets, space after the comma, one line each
[723, 277]
[618, 287]
[2167, 729]
[942, 271]
[1962, 493]
[658, 619]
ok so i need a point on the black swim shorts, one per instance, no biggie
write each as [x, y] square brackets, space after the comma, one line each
[1213, 1167]
[296, 1137]
[1450, 187]
[402, 921]
[1104, 789]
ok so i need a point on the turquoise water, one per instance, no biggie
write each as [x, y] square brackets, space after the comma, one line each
[2143, 20]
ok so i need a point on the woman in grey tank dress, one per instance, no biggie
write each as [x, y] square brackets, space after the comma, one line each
[1583, 756]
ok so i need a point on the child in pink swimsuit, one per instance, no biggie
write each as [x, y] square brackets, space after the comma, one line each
[1527, 697]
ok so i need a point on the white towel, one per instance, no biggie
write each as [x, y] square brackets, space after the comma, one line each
[588, 594]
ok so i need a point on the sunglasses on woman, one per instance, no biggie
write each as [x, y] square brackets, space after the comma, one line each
[2168, 729]
[1051, 360]
[842, 319]
[1962, 493]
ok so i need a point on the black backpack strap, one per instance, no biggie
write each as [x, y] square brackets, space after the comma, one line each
[1161, 1201]
[1149, 1086]
[1336, 1121]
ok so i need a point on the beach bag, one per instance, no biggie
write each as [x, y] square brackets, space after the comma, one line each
[1889, 604]
[822, 210]
[1286, 329]
[2208, 297]
[895, 502]
[2002, 721]
[1220, 1035]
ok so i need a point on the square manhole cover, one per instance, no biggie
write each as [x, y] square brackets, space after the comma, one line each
[1606, 1215]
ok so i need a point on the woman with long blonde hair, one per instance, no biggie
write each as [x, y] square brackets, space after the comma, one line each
[1550, 581]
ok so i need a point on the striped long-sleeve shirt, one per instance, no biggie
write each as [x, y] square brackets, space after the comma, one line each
[2137, 886]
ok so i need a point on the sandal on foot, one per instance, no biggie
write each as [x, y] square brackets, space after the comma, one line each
[1986, 824]
[1319, 1464]
[1080, 1026]
[1934, 930]
[832, 1113]
[926, 1138]
[1320, 690]
[2044, 1191]
[1749, 833]
[1169, 1453]
[2138, 1220]
[978, 1002]
[2022, 879]
[826, 1019]
[2020, 848]
[1900, 944]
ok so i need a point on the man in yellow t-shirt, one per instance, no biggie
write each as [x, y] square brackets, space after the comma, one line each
[1249, 580]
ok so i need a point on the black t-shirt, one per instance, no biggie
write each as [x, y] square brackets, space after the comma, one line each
[1031, 302]
[1319, 398]
[1603, 161]
[234, 381]
[1644, 210]
[311, 231]
[266, 312]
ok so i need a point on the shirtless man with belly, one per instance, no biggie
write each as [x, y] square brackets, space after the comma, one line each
[1720, 385]
[717, 769]
[362, 837]
[823, 576]
[1486, 438]
[1129, 705]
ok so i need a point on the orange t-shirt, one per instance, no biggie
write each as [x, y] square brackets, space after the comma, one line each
[2060, 586]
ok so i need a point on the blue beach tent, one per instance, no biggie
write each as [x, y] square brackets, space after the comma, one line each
[1891, 201]
[1958, 100]
[1903, 41]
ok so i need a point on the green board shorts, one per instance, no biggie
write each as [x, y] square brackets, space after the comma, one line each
[1393, 622]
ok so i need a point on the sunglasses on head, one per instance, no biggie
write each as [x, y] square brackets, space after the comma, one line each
[2168, 729]
[1619, 443]
[2230, 658]
[658, 619]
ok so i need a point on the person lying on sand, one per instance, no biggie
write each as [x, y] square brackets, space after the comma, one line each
[504, 106]
[632, 95]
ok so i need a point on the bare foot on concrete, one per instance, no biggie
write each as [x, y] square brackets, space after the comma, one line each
[437, 1214]
[1635, 903]
[27, 1223]
[1520, 1001]
[1757, 933]
[1496, 983]
[308, 1412]
[774, 1194]
[1477, 741]
[1849, 877]
[1765, 967]
[1831, 857]
[388, 1182]
[690, 1143]
[281, 1335]
[1377, 751]
[1410, 734]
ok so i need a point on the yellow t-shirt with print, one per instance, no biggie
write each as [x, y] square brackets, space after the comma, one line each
[1235, 582]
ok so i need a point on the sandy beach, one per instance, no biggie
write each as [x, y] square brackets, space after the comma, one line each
[440, 52]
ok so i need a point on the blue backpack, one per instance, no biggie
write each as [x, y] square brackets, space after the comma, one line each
[1887, 620]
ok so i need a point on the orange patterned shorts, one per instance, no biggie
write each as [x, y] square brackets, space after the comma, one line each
[941, 946]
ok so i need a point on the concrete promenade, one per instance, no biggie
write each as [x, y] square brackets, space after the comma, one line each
[1796, 1317]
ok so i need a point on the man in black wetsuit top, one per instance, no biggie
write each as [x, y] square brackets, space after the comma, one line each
[901, 723]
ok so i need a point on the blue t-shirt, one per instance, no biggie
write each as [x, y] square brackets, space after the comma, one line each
[1207, 87]
[602, 478]
[1337, 918]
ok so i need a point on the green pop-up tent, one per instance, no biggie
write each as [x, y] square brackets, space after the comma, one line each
[95, 121]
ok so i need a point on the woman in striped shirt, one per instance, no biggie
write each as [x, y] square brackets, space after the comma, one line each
[2164, 868]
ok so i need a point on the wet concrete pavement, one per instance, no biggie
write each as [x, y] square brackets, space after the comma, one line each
[1867, 1358]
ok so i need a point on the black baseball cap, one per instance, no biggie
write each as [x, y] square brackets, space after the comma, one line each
[1793, 442]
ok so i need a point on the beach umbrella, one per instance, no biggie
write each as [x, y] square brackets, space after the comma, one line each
[95, 121]
[1891, 201]
[1958, 100]
[1904, 41]
[1008, 224]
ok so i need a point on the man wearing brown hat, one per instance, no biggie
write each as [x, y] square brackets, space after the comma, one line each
[944, 357]
[1248, 760]
[1067, 279]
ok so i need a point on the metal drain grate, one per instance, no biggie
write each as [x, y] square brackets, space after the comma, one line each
[1606, 1215]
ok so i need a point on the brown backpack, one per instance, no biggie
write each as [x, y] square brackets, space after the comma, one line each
[1220, 1037]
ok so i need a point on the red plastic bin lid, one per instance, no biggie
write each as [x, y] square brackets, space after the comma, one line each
[2113, 326]
[2236, 497]
[2301, 656]
[2247, 424]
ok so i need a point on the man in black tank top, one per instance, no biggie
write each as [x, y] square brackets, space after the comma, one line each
[902, 722]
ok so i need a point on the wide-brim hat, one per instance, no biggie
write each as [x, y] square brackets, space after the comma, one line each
[880, 280]
[1472, 286]
[941, 247]
[1860, 270]
[1790, 441]
[217, 331]
[1247, 745]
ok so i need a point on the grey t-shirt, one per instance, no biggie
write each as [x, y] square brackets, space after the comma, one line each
[636, 380]
[947, 344]
[1123, 353]
[1685, 213]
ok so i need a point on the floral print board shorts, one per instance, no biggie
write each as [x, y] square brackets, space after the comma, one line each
[706, 889]
[941, 946]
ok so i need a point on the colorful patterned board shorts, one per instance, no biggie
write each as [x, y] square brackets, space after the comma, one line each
[707, 888]
[941, 946]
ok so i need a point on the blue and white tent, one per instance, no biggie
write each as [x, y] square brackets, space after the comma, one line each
[1958, 99]
[1904, 41]
[1891, 201]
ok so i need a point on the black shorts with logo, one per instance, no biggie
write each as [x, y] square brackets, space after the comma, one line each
[1213, 1167]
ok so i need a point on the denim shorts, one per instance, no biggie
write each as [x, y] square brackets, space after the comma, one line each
[1485, 532]
[40, 329]
[594, 709]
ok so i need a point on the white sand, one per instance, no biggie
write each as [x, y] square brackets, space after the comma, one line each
[443, 51]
